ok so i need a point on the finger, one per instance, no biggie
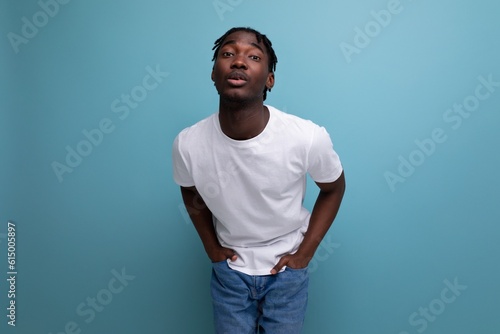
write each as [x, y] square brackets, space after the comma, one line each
[281, 263]
[231, 254]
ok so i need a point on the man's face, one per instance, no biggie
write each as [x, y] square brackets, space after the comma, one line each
[241, 70]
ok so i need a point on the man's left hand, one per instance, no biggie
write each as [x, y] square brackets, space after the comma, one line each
[294, 261]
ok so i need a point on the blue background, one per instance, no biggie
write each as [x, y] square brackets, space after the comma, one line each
[392, 247]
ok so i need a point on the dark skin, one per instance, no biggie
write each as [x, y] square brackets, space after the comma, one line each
[241, 73]
[242, 114]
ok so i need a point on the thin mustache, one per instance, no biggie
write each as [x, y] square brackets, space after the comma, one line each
[237, 75]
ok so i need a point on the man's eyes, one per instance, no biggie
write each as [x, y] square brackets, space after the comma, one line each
[228, 54]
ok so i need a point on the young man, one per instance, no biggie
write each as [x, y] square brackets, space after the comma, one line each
[242, 173]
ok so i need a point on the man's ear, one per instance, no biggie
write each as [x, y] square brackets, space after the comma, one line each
[270, 81]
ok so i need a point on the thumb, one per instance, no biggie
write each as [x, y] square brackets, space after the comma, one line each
[281, 263]
[230, 254]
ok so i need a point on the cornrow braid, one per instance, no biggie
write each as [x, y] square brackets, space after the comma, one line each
[273, 60]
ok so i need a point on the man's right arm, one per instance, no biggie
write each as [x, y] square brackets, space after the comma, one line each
[201, 216]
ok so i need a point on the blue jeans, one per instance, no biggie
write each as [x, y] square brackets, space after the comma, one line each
[270, 304]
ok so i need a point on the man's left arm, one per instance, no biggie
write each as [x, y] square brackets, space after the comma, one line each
[322, 216]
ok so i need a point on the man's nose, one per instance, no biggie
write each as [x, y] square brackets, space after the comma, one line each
[239, 62]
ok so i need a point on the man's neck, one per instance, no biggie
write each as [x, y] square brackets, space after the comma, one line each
[241, 121]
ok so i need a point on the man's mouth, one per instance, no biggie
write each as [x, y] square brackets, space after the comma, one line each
[237, 79]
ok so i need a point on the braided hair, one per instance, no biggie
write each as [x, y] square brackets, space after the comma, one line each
[273, 60]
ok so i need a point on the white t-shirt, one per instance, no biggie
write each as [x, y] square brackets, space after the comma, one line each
[255, 188]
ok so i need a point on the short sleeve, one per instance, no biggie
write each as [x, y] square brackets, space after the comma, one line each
[324, 164]
[182, 175]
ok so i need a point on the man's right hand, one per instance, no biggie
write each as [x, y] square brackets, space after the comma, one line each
[222, 254]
